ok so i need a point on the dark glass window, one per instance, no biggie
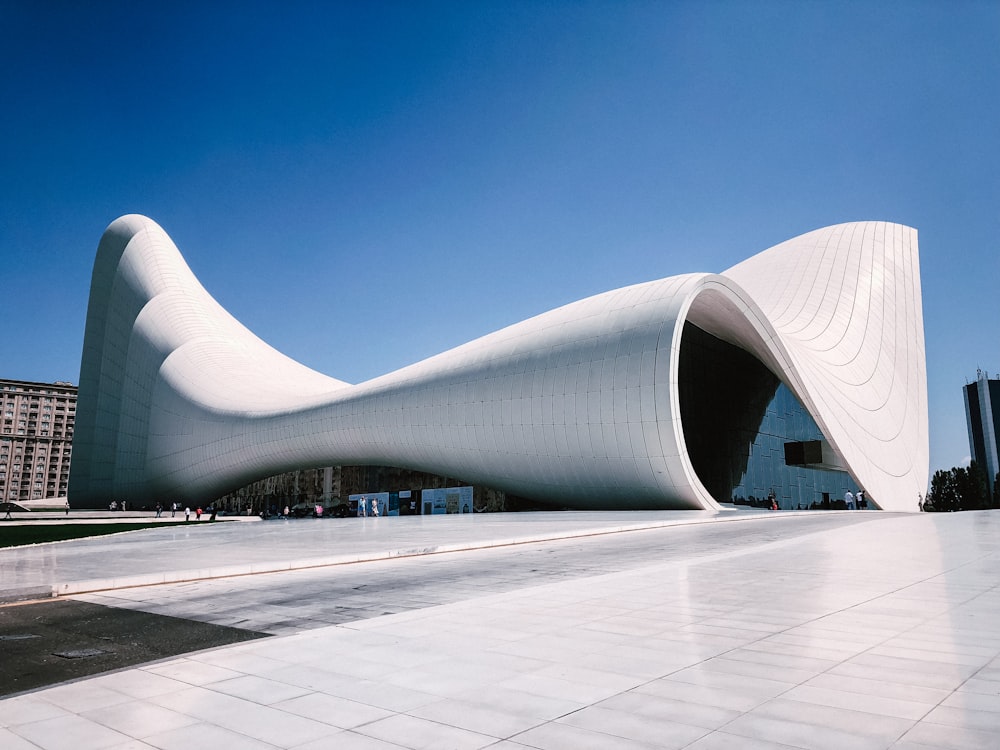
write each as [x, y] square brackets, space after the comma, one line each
[738, 418]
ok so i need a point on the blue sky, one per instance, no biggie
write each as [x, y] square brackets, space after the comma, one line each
[367, 184]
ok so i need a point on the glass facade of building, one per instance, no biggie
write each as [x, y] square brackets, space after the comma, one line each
[738, 418]
[982, 413]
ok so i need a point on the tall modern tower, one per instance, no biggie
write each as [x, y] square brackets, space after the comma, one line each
[982, 412]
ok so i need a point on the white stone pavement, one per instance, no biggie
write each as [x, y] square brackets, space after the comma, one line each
[200, 550]
[876, 635]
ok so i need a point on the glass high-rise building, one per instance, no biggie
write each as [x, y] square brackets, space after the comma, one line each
[982, 413]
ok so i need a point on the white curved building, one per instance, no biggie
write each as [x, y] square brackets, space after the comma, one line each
[658, 395]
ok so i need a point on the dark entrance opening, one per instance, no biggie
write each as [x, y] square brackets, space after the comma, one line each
[747, 435]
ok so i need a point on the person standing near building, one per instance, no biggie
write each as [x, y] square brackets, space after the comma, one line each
[849, 500]
[187, 513]
[860, 499]
[67, 507]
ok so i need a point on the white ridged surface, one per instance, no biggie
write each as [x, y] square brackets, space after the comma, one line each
[845, 302]
[578, 405]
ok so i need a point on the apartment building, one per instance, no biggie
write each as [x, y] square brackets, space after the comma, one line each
[36, 438]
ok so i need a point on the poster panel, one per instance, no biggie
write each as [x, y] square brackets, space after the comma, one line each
[447, 500]
[374, 503]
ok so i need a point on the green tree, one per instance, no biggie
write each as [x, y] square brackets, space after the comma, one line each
[942, 496]
[959, 488]
[973, 491]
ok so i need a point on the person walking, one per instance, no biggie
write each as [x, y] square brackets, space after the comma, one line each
[173, 509]
[187, 513]
[7, 517]
[159, 510]
[67, 507]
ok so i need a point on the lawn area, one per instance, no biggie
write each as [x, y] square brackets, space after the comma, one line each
[14, 536]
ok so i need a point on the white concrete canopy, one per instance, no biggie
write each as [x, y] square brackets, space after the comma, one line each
[578, 406]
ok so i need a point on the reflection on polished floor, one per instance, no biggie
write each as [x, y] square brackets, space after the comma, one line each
[869, 630]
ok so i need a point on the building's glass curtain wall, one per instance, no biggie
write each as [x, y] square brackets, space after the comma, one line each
[795, 487]
[737, 417]
[982, 412]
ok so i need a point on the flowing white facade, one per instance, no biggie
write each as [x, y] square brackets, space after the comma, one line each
[578, 406]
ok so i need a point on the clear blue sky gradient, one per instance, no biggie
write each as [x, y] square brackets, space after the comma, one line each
[367, 184]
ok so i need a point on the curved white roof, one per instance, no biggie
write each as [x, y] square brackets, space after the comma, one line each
[578, 406]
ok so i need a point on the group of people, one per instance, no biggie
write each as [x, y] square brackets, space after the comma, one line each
[856, 502]
[368, 508]
[175, 508]
[851, 501]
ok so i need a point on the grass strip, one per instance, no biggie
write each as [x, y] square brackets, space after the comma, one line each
[15, 536]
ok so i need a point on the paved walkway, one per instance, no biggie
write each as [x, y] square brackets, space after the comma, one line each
[869, 635]
[201, 550]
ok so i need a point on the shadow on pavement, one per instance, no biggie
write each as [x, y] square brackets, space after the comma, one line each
[47, 642]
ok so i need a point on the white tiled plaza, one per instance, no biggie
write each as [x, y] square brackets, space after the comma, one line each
[875, 633]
